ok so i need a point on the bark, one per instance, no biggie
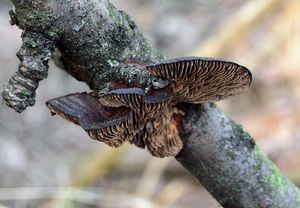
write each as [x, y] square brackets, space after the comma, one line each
[225, 159]
[94, 40]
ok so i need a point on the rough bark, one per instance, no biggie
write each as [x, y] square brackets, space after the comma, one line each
[94, 40]
[225, 159]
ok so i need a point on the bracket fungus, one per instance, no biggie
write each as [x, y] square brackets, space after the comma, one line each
[150, 119]
[102, 123]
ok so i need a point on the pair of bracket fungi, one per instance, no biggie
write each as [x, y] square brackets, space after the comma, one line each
[149, 119]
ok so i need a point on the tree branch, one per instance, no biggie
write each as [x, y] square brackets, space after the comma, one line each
[95, 40]
[225, 159]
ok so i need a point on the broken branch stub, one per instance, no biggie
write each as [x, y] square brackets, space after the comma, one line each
[34, 55]
[152, 120]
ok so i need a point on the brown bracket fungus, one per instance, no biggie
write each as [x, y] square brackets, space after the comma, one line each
[150, 120]
[84, 109]
[145, 105]
[201, 80]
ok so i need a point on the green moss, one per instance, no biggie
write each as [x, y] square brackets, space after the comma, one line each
[25, 93]
[276, 179]
[273, 177]
[213, 105]
[240, 130]
[52, 35]
[31, 16]
[231, 155]
[111, 10]
[113, 63]
[258, 155]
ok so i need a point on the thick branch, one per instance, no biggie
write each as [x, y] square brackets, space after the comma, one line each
[94, 40]
[93, 37]
[225, 159]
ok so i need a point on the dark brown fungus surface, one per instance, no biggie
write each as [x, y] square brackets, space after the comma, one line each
[123, 115]
[108, 125]
[160, 135]
[130, 97]
[144, 105]
[153, 120]
[200, 80]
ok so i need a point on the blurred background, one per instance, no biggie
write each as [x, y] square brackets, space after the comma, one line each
[47, 162]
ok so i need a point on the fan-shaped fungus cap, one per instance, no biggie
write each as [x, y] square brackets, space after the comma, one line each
[107, 125]
[201, 80]
[112, 125]
[145, 105]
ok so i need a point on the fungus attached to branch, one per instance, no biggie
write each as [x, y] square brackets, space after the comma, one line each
[145, 105]
[152, 120]
[119, 116]
[201, 80]
[160, 135]
[109, 125]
